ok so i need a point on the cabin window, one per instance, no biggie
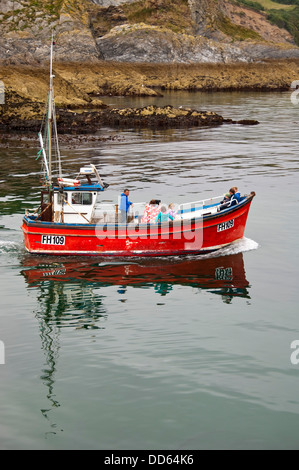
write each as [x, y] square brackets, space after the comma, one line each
[46, 198]
[87, 199]
[82, 199]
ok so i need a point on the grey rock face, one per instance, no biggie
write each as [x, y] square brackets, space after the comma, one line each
[140, 43]
[9, 5]
[205, 14]
[25, 36]
[259, 52]
[128, 43]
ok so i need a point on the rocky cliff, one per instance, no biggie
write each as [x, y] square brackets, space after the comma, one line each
[129, 47]
[164, 31]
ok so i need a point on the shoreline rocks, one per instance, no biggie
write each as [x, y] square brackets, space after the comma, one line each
[80, 88]
[161, 117]
[90, 122]
[30, 139]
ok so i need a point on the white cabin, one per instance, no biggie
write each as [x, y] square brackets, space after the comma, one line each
[75, 202]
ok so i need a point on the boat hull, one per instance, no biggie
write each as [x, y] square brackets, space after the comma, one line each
[182, 237]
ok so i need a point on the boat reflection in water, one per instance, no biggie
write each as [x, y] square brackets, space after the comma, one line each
[68, 283]
[71, 294]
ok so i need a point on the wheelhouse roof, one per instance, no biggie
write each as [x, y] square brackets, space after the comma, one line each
[83, 187]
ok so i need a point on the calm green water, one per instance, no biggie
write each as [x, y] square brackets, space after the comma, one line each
[162, 354]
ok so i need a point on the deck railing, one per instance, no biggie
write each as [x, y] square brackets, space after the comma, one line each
[199, 205]
[106, 211]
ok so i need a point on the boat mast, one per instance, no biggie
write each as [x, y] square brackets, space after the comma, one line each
[50, 126]
[50, 113]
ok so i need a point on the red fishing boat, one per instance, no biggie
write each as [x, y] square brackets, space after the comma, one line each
[72, 221]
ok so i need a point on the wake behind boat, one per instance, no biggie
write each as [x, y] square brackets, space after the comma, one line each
[72, 221]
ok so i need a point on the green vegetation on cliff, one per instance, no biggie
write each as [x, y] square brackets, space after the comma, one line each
[288, 20]
[251, 4]
[174, 15]
[236, 32]
[282, 13]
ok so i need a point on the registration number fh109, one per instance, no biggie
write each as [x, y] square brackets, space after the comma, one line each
[225, 225]
[53, 240]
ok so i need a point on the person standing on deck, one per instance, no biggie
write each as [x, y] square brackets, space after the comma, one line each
[125, 205]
